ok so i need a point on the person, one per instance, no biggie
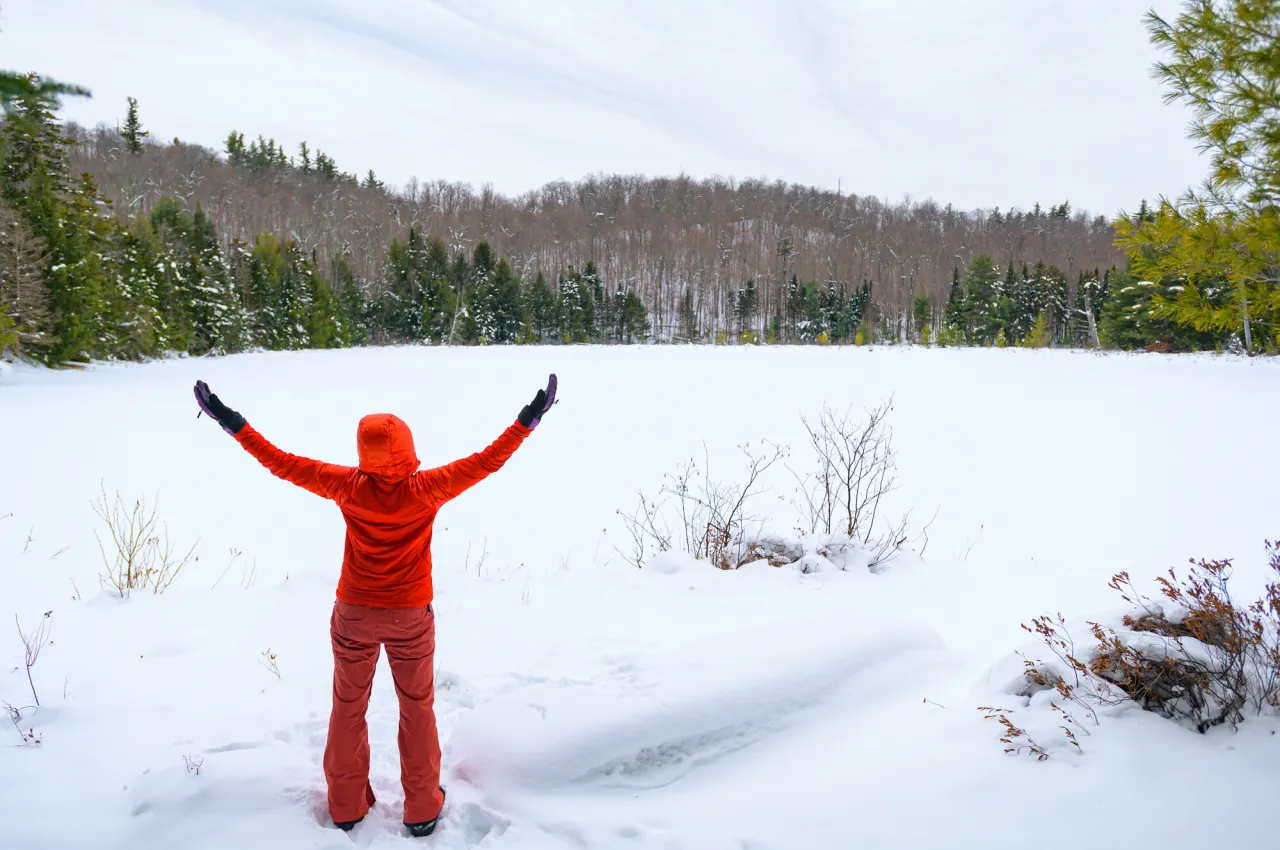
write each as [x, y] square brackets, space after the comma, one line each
[384, 593]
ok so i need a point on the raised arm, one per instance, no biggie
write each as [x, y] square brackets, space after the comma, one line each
[452, 480]
[324, 479]
[447, 482]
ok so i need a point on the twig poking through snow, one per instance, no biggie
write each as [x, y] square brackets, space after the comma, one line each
[974, 543]
[33, 645]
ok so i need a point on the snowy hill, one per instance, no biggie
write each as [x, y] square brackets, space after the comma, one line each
[583, 702]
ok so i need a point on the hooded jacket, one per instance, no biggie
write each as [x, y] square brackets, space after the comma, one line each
[389, 506]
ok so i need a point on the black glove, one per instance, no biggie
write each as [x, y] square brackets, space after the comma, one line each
[230, 421]
[532, 413]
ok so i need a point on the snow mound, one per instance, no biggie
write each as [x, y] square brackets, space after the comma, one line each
[688, 708]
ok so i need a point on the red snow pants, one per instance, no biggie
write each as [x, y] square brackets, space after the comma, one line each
[409, 634]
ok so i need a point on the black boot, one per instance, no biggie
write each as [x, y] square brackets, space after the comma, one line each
[422, 830]
[347, 825]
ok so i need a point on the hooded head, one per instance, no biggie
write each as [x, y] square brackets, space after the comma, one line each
[385, 446]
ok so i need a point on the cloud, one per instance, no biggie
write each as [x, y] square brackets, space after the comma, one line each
[972, 102]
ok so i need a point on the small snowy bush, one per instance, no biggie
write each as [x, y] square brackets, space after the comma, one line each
[1194, 655]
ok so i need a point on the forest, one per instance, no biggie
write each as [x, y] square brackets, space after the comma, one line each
[116, 244]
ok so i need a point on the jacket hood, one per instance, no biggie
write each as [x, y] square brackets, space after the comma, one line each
[385, 445]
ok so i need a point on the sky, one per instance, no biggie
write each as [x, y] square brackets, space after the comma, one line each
[977, 103]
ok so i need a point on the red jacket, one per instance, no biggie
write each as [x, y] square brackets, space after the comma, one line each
[388, 505]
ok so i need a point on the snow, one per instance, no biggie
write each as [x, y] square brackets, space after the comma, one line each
[583, 702]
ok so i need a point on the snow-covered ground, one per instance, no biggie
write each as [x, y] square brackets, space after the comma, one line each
[585, 703]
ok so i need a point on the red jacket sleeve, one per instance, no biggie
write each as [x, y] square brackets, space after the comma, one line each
[324, 479]
[446, 482]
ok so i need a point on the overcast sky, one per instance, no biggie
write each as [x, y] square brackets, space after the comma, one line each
[972, 102]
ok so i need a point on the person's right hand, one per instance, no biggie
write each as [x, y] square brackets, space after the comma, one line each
[533, 412]
[230, 421]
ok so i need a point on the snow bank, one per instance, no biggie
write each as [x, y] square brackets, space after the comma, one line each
[678, 711]
[583, 702]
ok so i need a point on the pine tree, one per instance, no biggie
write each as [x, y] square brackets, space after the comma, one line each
[832, 306]
[956, 309]
[498, 311]
[16, 87]
[66, 214]
[540, 308]
[922, 313]
[304, 158]
[576, 309]
[24, 299]
[745, 306]
[982, 293]
[635, 318]
[461, 328]
[350, 295]
[688, 319]
[438, 299]
[235, 149]
[325, 166]
[322, 308]
[132, 132]
[1222, 245]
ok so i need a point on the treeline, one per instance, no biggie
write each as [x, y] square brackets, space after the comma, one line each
[162, 247]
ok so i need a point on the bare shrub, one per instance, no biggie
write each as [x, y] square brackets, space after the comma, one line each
[713, 519]
[140, 554]
[855, 470]
[193, 764]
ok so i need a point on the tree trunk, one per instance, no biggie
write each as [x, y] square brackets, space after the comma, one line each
[1248, 331]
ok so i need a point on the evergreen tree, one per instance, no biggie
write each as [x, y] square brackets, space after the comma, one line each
[576, 309]
[540, 308]
[281, 291]
[954, 315]
[982, 292]
[688, 319]
[65, 214]
[235, 149]
[1130, 320]
[304, 158]
[325, 166]
[354, 309]
[922, 313]
[794, 308]
[1222, 245]
[833, 300]
[745, 306]
[196, 295]
[497, 307]
[438, 299]
[132, 132]
[16, 87]
[322, 309]
[635, 318]
[462, 327]
[24, 299]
